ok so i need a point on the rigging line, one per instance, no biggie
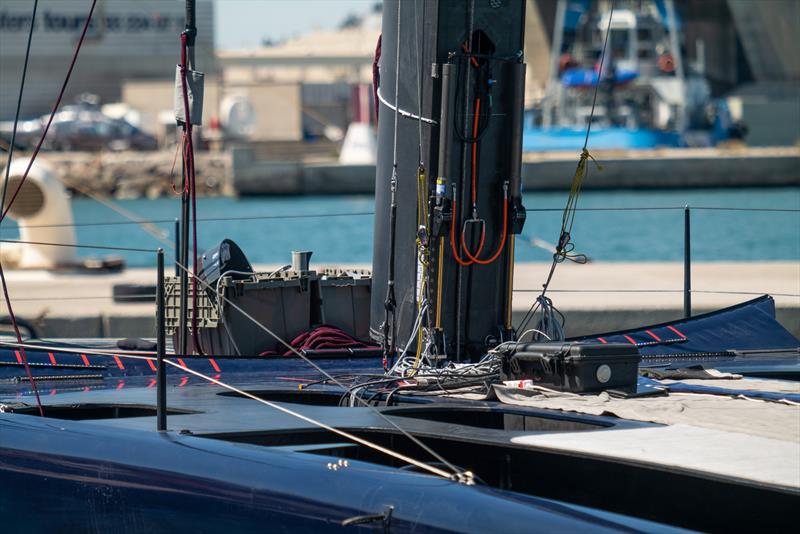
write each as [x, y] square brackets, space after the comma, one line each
[709, 292]
[4, 209]
[599, 75]
[19, 105]
[205, 219]
[3, 205]
[459, 476]
[564, 246]
[319, 369]
[99, 247]
[402, 112]
[390, 302]
[99, 297]
[19, 339]
[154, 231]
[419, 76]
[464, 477]
[364, 213]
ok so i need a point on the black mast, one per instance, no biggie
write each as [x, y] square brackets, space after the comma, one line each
[449, 279]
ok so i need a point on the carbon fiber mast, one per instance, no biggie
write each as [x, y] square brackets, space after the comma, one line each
[444, 240]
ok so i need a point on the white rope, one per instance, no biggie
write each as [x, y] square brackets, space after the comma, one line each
[457, 473]
[465, 477]
[347, 435]
[135, 354]
[403, 112]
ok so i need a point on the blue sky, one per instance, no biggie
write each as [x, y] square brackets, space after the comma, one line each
[244, 23]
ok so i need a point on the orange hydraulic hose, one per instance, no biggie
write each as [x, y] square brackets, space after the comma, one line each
[475, 152]
[500, 248]
[453, 224]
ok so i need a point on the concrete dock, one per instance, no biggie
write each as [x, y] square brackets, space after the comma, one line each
[595, 297]
[313, 168]
[542, 171]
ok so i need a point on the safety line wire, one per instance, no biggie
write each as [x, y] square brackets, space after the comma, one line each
[204, 219]
[364, 213]
[70, 245]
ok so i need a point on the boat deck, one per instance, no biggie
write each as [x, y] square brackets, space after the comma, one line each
[542, 447]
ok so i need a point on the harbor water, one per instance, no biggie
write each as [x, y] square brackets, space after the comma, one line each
[612, 227]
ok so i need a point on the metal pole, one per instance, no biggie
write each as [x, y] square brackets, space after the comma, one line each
[177, 232]
[161, 348]
[687, 263]
[183, 252]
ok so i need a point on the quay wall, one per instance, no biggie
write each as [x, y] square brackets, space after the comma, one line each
[301, 170]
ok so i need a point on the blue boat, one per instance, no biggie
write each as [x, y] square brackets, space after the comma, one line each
[603, 138]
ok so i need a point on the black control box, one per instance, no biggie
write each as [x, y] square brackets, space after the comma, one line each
[573, 366]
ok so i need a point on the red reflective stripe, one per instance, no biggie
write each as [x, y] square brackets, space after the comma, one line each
[152, 382]
[181, 362]
[152, 365]
[629, 338]
[52, 358]
[19, 357]
[85, 360]
[119, 362]
[601, 340]
[677, 331]
[653, 335]
[120, 384]
[214, 365]
[183, 381]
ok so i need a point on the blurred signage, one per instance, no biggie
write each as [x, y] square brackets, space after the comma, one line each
[53, 21]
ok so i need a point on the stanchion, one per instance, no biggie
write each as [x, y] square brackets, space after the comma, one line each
[687, 262]
[161, 342]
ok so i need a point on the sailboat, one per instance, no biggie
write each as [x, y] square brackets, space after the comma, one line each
[446, 419]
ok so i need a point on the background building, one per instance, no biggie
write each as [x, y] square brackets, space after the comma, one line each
[128, 39]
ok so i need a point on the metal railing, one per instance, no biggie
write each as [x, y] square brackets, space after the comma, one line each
[686, 257]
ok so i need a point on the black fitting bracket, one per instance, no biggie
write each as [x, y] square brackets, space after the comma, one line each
[517, 215]
[191, 34]
[441, 216]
